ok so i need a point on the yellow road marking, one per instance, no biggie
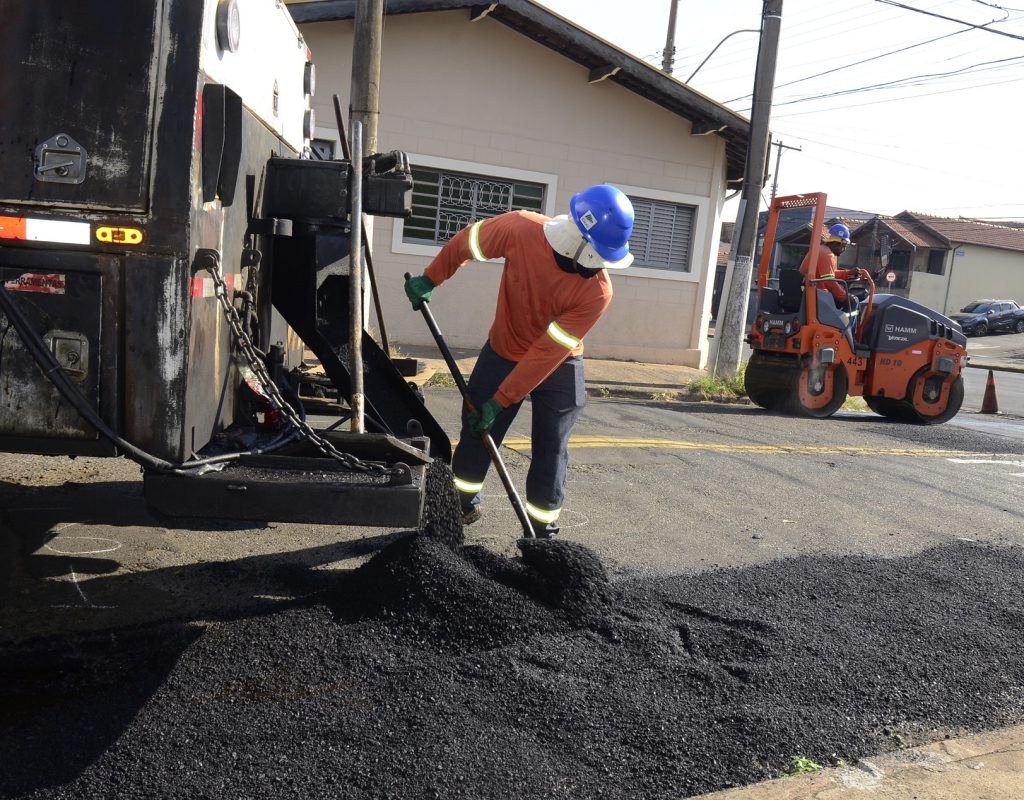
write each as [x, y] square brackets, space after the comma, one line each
[625, 442]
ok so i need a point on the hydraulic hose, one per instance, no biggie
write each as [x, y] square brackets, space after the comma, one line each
[54, 372]
[48, 363]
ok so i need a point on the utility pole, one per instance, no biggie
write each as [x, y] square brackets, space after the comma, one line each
[668, 57]
[364, 103]
[778, 158]
[734, 323]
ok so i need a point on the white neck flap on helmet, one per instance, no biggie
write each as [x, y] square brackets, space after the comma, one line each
[567, 240]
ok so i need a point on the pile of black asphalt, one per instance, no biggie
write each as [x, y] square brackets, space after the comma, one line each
[443, 671]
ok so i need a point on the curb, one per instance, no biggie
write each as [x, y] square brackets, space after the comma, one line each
[601, 391]
[997, 366]
[987, 764]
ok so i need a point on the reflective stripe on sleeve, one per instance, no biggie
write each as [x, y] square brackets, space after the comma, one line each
[466, 486]
[567, 340]
[543, 515]
[474, 242]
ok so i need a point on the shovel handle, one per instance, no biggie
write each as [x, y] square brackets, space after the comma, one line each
[492, 448]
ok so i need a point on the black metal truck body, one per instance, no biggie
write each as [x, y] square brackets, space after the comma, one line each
[136, 134]
[123, 82]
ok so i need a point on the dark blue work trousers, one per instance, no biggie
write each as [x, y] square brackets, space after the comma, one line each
[557, 404]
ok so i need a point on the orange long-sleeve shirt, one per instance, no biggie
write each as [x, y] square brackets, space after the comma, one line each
[542, 313]
[827, 268]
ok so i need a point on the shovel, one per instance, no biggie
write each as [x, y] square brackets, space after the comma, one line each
[499, 465]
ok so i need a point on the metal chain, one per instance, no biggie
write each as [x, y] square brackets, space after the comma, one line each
[273, 394]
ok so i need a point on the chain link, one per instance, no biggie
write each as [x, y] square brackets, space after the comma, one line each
[273, 394]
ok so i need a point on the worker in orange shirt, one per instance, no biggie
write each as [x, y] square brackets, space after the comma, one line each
[836, 241]
[554, 288]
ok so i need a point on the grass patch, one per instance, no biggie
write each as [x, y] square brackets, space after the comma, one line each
[662, 396]
[442, 379]
[710, 386]
[799, 765]
[854, 404]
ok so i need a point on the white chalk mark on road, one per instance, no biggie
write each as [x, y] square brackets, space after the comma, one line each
[109, 545]
[1019, 464]
[86, 602]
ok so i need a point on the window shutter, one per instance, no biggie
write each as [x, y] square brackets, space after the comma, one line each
[662, 235]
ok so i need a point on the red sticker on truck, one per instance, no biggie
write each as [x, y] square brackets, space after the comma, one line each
[35, 282]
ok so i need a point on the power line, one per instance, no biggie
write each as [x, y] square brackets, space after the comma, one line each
[790, 41]
[857, 63]
[901, 82]
[905, 97]
[993, 5]
[952, 19]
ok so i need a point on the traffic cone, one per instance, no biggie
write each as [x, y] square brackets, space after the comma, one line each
[989, 405]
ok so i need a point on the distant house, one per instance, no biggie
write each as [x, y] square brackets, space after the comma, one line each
[507, 105]
[943, 263]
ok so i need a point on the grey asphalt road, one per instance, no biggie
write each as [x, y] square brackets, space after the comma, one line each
[1001, 349]
[658, 491]
[683, 487]
[1009, 389]
[669, 488]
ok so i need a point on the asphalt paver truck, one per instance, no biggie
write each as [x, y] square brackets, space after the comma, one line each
[808, 356]
[169, 249]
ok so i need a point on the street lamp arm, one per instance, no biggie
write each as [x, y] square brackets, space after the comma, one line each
[705, 61]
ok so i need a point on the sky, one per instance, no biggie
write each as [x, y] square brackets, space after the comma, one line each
[935, 128]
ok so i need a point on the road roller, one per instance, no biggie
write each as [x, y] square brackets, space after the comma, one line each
[808, 355]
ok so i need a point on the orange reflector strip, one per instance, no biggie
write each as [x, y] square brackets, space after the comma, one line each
[12, 228]
[44, 230]
[111, 235]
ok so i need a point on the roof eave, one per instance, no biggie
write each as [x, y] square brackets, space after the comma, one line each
[603, 61]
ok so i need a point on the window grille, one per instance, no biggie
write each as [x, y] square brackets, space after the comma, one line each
[662, 235]
[443, 202]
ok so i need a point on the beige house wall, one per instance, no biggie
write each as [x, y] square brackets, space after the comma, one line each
[978, 273]
[479, 97]
[928, 290]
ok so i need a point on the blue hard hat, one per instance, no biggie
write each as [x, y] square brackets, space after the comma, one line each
[604, 216]
[838, 233]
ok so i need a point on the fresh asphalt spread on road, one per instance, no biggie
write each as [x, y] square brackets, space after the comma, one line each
[773, 588]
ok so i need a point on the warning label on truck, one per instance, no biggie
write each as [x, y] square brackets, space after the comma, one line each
[35, 282]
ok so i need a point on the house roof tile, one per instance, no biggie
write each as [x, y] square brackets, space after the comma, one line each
[908, 230]
[968, 231]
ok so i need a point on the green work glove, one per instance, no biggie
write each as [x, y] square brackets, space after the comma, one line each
[483, 418]
[418, 291]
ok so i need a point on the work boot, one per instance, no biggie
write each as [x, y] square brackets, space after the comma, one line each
[549, 531]
[471, 515]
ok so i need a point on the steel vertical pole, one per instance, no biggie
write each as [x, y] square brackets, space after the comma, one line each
[355, 283]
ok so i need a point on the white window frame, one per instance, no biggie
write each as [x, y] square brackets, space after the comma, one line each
[549, 181]
[698, 256]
